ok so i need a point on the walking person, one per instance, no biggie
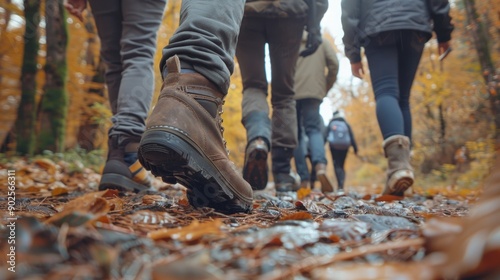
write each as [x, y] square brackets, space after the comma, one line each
[340, 138]
[127, 31]
[314, 77]
[280, 25]
[183, 141]
[393, 35]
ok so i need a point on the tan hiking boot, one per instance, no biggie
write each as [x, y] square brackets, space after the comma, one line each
[399, 172]
[255, 170]
[183, 143]
[326, 185]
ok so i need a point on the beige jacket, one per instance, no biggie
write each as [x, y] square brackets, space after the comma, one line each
[316, 74]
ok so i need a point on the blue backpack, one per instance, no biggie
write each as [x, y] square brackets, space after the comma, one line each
[338, 135]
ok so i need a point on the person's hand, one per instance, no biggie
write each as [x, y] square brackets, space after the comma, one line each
[313, 41]
[443, 49]
[357, 70]
[76, 7]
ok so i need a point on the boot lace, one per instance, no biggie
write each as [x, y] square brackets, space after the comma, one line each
[221, 127]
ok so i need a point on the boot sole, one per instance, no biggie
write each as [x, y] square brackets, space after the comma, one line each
[175, 158]
[120, 182]
[255, 171]
[326, 185]
[399, 183]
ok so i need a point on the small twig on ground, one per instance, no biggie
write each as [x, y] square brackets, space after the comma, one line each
[314, 262]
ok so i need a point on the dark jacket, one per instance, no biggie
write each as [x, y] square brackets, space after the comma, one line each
[275, 8]
[353, 141]
[363, 18]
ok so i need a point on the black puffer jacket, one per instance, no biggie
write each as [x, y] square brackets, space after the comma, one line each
[362, 18]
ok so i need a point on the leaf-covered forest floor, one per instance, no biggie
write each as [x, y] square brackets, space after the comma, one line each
[66, 229]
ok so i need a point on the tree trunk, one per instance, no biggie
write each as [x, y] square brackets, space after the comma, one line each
[53, 106]
[3, 30]
[26, 114]
[480, 37]
[89, 131]
[442, 131]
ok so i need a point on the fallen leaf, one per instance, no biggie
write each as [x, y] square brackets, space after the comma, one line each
[303, 192]
[297, 216]
[59, 191]
[192, 233]
[367, 197]
[309, 205]
[183, 202]
[389, 198]
[47, 165]
[334, 238]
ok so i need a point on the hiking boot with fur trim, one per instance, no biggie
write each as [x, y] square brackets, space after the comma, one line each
[183, 143]
[399, 172]
[255, 170]
[122, 170]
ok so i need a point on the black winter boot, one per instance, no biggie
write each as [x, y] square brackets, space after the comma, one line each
[122, 170]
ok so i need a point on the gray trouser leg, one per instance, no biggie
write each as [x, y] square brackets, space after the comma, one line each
[127, 29]
[283, 37]
[206, 38]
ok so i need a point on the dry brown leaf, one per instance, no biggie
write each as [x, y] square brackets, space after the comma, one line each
[116, 204]
[275, 241]
[102, 219]
[110, 193]
[88, 212]
[192, 233]
[309, 205]
[297, 216]
[302, 193]
[183, 202]
[47, 165]
[59, 191]
[32, 189]
[367, 197]
[334, 238]
[86, 201]
[389, 198]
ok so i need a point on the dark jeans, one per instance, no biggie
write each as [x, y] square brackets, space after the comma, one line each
[127, 30]
[283, 36]
[311, 124]
[338, 157]
[206, 38]
[393, 59]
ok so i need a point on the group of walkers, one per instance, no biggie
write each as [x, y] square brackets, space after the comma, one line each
[182, 140]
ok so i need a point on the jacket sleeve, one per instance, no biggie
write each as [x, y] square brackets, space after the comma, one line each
[440, 14]
[350, 20]
[332, 63]
[353, 141]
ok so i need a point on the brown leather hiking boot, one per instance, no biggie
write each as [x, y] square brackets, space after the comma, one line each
[326, 185]
[255, 170]
[183, 143]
